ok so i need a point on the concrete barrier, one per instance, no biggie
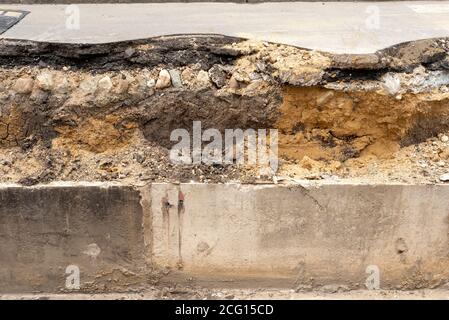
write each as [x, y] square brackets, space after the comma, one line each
[43, 230]
[224, 235]
[296, 236]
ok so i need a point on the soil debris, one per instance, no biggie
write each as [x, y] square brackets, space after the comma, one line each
[106, 112]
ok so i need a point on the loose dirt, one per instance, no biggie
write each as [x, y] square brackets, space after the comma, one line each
[105, 112]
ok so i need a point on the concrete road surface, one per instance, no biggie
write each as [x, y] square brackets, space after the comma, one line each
[341, 27]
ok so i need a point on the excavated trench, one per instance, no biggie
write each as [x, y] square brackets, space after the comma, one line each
[105, 112]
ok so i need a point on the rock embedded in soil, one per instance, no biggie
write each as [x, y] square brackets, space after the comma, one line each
[105, 83]
[218, 75]
[202, 79]
[233, 83]
[151, 83]
[45, 81]
[164, 80]
[187, 76]
[175, 78]
[122, 86]
[88, 85]
[24, 85]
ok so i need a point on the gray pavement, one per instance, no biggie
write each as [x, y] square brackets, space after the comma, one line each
[341, 27]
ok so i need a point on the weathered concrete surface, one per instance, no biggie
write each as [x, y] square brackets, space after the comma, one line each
[223, 235]
[298, 236]
[45, 229]
[340, 27]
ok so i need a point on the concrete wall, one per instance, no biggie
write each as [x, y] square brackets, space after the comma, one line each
[223, 235]
[304, 236]
[44, 230]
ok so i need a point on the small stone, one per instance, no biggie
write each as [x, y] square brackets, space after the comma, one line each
[187, 76]
[218, 75]
[444, 177]
[141, 84]
[164, 80]
[105, 83]
[122, 86]
[130, 52]
[151, 83]
[241, 77]
[254, 76]
[24, 85]
[202, 79]
[45, 81]
[175, 78]
[444, 138]
[62, 85]
[261, 66]
[391, 84]
[139, 157]
[88, 85]
[233, 83]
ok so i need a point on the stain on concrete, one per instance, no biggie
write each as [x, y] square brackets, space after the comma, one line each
[181, 210]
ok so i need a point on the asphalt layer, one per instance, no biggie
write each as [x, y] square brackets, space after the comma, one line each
[10, 18]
